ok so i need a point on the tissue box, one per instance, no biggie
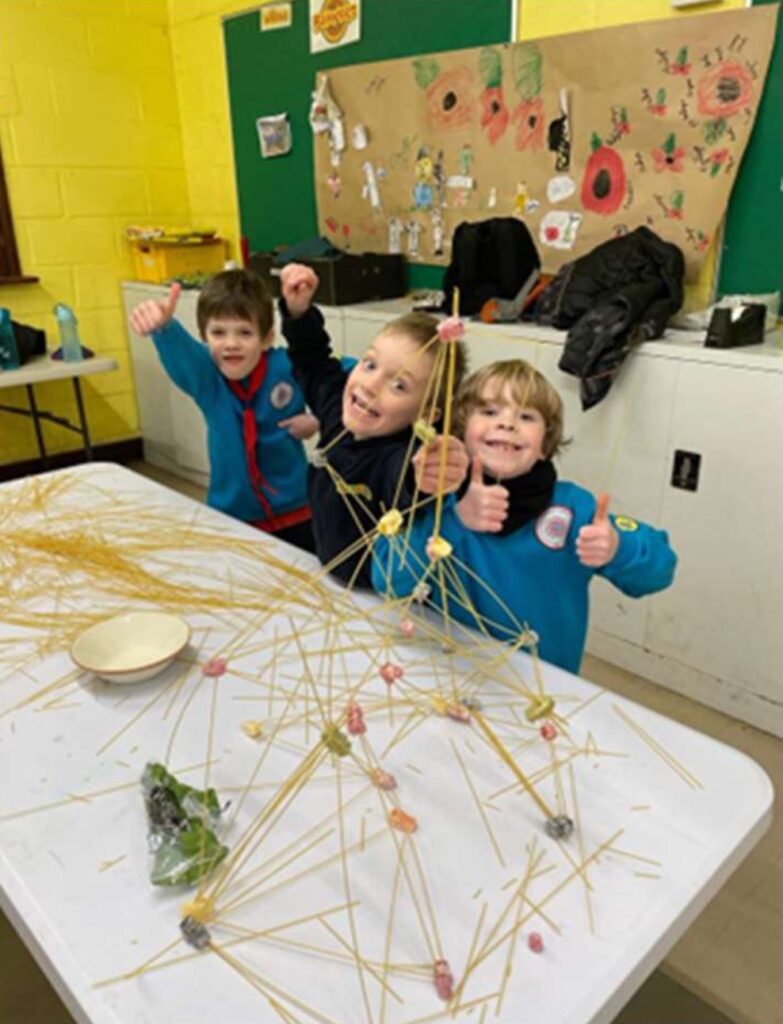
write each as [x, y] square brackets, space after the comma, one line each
[346, 278]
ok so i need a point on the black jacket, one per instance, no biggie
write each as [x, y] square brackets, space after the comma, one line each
[370, 470]
[622, 292]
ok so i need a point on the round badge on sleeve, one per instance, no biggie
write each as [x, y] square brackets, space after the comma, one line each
[281, 394]
[553, 525]
[625, 523]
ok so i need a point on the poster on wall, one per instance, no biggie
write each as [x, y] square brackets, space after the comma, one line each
[334, 23]
[584, 137]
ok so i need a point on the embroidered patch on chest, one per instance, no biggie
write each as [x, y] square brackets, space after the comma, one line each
[553, 525]
[281, 394]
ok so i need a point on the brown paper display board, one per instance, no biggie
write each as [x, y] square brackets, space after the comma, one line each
[582, 136]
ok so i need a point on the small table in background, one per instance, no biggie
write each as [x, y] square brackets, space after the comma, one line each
[41, 369]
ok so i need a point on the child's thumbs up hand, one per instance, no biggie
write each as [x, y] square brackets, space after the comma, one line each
[483, 508]
[596, 544]
[298, 285]
[154, 314]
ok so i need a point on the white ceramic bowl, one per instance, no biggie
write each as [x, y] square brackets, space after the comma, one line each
[131, 647]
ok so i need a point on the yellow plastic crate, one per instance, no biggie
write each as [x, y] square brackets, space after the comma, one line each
[159, 261]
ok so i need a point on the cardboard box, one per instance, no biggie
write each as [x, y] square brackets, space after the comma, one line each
[346, 278]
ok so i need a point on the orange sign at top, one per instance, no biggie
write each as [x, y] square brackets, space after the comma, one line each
[333, 23]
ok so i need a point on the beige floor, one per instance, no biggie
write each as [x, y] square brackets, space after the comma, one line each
[731, 958]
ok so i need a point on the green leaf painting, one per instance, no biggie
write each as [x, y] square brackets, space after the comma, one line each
[491, 67]
[527, 64]
[425, 70]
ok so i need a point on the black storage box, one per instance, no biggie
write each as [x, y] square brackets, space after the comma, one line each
[345, 278]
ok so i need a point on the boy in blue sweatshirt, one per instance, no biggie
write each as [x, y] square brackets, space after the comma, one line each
[524, 546]
[245, 389]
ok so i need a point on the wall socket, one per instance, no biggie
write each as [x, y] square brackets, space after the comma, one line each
[685, 471]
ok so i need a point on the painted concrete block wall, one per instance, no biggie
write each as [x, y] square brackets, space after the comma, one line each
[202, 86]
[91, 141]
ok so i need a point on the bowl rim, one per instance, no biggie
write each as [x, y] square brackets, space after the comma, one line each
[97, 670]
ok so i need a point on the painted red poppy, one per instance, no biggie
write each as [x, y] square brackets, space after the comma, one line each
[529, 119]
[669, 160]
[494, 113]
[724, 90]
[451, 100]
[604, 184]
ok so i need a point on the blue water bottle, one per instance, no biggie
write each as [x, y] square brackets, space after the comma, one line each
[9, 353]
[69, 335]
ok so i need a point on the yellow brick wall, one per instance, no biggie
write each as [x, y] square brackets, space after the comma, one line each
[539, 18]
[200, 71]
[91, 140]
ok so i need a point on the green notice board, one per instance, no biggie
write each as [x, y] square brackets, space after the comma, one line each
[273, 72]
[752, 258]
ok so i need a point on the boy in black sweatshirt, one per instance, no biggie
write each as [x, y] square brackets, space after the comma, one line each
[366, 416]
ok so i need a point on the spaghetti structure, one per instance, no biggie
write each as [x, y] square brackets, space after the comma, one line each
[412, 819]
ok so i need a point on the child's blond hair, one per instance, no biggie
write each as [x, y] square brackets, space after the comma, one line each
[421, 329]
[528, 387]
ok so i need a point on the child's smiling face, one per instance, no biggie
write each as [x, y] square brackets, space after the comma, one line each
[235, 345]
[506, 436]
[384, 391]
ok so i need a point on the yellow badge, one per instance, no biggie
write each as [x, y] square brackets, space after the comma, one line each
[626, 523]
[359, 490]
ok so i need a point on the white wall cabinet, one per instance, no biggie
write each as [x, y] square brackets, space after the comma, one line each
[717, 634]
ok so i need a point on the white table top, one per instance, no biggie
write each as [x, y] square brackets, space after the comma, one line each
[663, 814]
[44, 368]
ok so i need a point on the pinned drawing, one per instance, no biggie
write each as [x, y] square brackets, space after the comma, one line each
[457, 131]
[558, 229]
[274, 135]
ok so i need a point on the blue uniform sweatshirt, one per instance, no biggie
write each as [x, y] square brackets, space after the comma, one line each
[281, 458]
[531, 578]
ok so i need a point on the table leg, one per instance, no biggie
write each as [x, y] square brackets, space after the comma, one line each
[82, 419]
[37, 425]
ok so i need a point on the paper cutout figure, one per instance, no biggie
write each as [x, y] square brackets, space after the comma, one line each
[325, 116]
[414, 232]
[395, 236]
[559, 135]
[359, 137]
[437, 232]
[370, 190]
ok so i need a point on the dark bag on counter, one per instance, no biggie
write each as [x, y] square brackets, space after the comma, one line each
[491, 259]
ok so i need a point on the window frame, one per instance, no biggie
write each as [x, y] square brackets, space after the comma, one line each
[10, 267]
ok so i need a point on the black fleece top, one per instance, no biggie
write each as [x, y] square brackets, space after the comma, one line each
[370, 469]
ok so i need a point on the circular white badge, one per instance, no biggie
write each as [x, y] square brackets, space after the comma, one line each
[281, 394]
[553, 525]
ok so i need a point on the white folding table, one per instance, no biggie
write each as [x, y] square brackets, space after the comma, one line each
[41, 369]
[324, 911]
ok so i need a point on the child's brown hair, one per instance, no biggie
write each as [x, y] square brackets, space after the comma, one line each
[421, 328]
[530, 390]
[236, 294]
